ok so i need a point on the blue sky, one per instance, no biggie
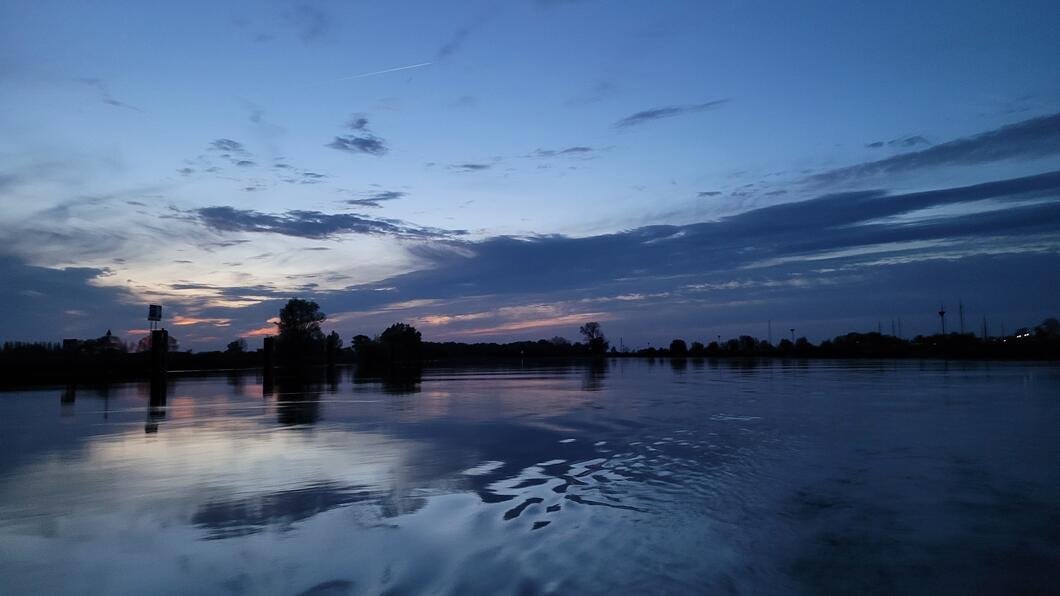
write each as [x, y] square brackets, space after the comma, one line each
[669, 168]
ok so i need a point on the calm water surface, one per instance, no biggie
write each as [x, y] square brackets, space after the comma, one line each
[621, 477]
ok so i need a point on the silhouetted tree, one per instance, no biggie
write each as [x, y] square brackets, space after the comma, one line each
[144, 345]
[594, 337]
[300, 335]
[367, 350]
[1048, 329]
[332, 345]
[236, 347]
[401, 342]
[334, 342]
[678, 347]
[360, 343]
[697, 349]
[559, 341]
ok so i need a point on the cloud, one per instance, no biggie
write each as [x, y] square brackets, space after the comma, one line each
[822, 264]
[844, 248]
[568, 152]
[1029, 139]
[228, 146]
[370, 144]
[309, 224]
[470, 167]
[364, 142]
[666, 112]
[708, 193]
[50, 304]
[459, 37]
[375, 199]
[185, 321]
[902, 142]
[104, 93]
[291, 175]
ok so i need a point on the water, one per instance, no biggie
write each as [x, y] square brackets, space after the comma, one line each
[620, 478]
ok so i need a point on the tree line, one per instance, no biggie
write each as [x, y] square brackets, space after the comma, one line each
[300, 341]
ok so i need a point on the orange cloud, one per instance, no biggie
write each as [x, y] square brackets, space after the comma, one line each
[266, 331]
[262, 332]
[433, 320]
[181, 321]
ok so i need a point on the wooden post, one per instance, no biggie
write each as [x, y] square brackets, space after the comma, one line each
[159, 349]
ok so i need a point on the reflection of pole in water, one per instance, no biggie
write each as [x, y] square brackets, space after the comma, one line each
[156, 409]
[66, 400]
[332, 378]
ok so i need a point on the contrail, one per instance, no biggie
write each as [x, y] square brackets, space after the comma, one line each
[379, 72]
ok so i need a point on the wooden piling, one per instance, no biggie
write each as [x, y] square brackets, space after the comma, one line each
[159, 349]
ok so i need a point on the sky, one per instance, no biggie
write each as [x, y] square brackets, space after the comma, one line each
[495, 171]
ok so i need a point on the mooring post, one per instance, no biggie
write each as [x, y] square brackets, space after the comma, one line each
[159, 349]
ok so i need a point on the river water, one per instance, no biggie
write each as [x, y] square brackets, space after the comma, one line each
[614, 477]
